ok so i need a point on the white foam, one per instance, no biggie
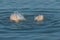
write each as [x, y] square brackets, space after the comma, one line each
[39, 18]
[16, 16]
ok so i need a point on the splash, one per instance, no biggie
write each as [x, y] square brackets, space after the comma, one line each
[17, 17]
[39, 18]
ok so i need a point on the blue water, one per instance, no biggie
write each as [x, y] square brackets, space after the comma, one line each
[49, 29]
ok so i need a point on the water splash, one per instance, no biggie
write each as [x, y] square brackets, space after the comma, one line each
[16, 17]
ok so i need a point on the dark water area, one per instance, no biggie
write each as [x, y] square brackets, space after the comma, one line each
[49, 29]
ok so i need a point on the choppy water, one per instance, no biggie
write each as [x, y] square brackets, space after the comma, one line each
[49, 29]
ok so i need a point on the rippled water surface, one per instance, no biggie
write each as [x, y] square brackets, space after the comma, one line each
[49, 29]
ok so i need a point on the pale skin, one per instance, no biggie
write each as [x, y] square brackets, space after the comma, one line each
[39, 18]
[15, 18]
